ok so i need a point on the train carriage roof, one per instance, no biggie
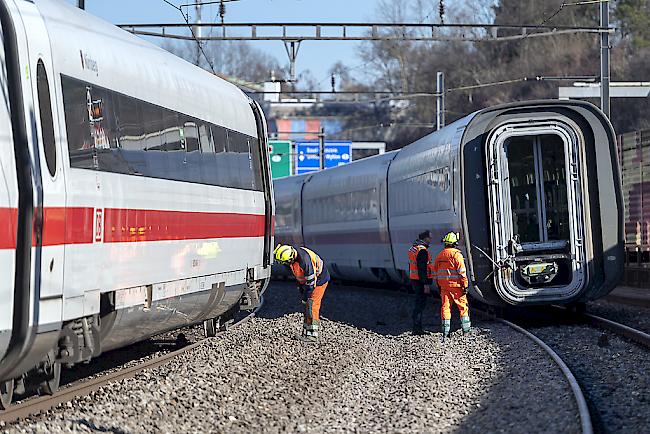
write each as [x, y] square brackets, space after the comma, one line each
[90, 49]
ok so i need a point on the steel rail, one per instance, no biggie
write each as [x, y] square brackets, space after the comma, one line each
[583, 408]
[33, 406]
[633, 334]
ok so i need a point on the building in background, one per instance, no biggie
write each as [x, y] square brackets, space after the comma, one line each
[295, 125]
[634, 158]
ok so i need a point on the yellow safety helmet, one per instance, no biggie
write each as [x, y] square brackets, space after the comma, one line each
[451, 238]
[285, 254]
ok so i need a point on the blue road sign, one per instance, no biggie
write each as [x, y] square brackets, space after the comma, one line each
[337, 153]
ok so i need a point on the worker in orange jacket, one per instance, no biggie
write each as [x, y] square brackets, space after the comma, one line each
[451, 278]
[312, 277]
[420, 275]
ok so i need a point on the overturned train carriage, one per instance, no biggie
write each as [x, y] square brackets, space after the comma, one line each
[135, 194]
[532, 187]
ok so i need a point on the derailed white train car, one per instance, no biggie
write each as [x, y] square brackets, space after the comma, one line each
[533, 188]
[135, 198]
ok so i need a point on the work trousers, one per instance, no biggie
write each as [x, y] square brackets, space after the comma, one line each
[311, 318]
[419, 303]
[458, 297]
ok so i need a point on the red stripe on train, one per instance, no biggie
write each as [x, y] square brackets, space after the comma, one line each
[132, 225]
[8, 219]
[77, 225]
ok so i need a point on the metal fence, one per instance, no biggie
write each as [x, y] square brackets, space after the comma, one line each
[634, 158]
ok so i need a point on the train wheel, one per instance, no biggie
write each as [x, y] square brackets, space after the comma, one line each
[53, 371]
[210, 328]
[6, 394]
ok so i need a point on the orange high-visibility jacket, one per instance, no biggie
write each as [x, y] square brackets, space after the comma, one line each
[413, 262]
[313, 268]
[450, 269]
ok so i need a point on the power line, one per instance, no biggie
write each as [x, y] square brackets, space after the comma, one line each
[394, 96]
[187, 22]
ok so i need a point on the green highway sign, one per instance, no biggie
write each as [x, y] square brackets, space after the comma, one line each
[280, 153]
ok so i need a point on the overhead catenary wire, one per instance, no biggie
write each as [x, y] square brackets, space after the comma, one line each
[189, 26]
[565, 4]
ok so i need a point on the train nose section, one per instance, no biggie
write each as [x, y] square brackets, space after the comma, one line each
[536, 202]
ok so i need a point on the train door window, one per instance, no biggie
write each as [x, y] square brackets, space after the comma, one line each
[538, 188]
[77, 123]
[523, 188]
[45, 112]
[556, 205]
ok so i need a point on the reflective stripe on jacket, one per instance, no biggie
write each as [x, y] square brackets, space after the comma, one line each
[313, 267]
[413, 262]
[450, 269]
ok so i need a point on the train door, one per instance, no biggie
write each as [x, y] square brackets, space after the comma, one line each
[536, 204]
[264, 166]
[8, 215]
[53, 214]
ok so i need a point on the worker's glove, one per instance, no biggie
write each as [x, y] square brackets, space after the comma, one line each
[427, 289]
[465, 290]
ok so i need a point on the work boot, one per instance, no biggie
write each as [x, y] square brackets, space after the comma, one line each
[417, 330]
[446, 328]
[465, 324]
[313, 340]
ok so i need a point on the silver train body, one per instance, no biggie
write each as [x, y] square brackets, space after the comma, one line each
[533, 188]
[135, 193]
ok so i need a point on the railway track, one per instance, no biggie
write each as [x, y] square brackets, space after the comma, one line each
[583, 408]
[587, 376]
[84, 387]
[628, 332]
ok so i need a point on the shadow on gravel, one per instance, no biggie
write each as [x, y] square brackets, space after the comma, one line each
[374, 309]
[122, 356]
[96, 428]
[518, 388]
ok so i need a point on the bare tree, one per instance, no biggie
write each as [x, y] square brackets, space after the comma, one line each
[232, 58]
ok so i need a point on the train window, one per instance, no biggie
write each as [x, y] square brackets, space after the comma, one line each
[239, 156]
[172, 137]
[77, 124]
[428, 192]
[191, 132]
[129, 124]
[347, 206]
[256, 160]
[116, 133]
[219, 135]
[152, 127]
[205, 139]
[47, 122]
